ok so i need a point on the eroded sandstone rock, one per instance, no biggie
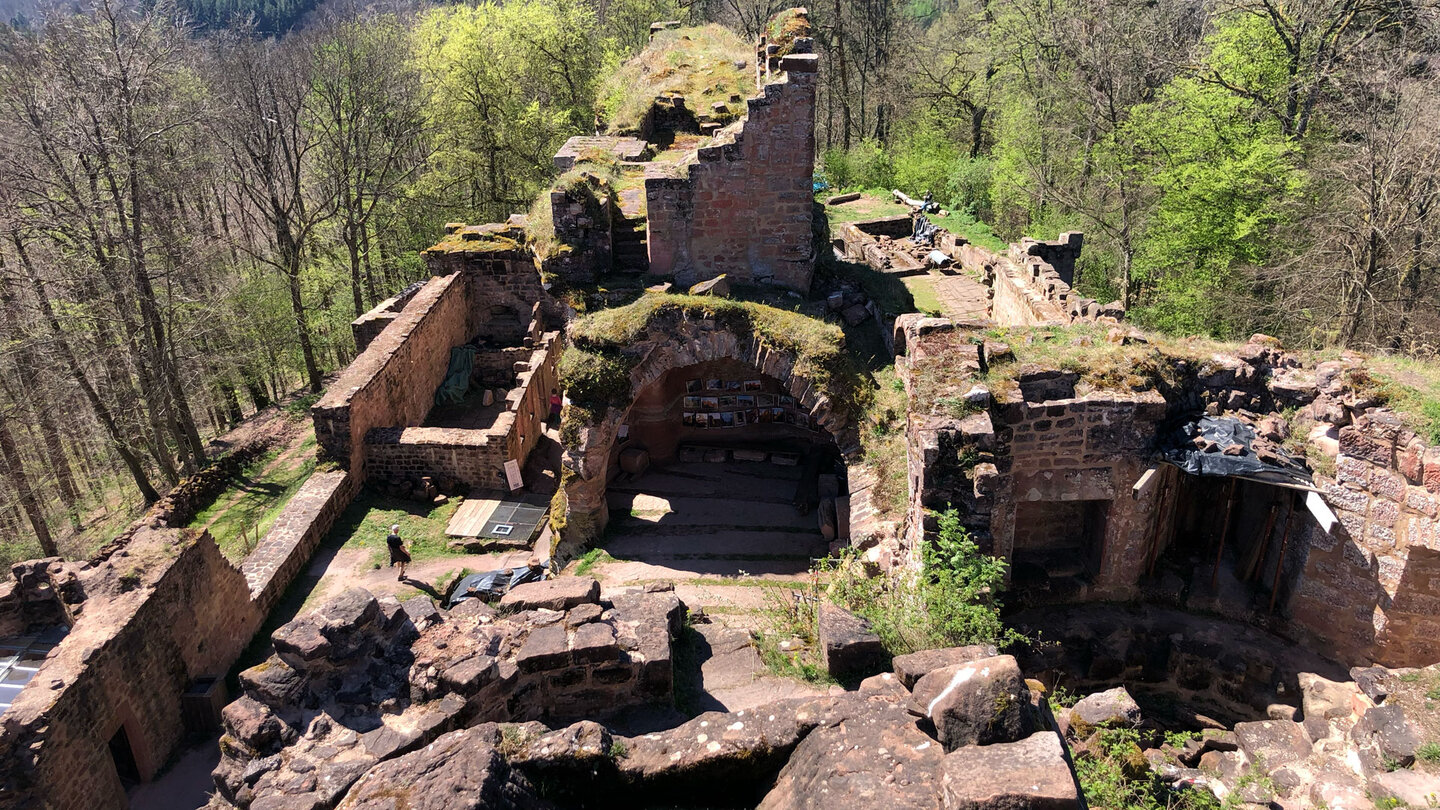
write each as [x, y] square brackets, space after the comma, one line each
[977, 703]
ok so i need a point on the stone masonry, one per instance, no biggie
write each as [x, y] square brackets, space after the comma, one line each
[743, 207]
[159, 614]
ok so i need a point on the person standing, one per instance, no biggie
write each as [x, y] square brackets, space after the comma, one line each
[398, 554]
[556, 403]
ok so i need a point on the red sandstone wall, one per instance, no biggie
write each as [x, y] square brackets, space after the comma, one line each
[473, 457]
[1372, 585]
[303, 523]
[393, 381]
[745, 208]
[126, 662]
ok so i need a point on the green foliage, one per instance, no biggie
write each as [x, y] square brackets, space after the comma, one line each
[593, 380]
[1225, 178]
[952, 600]
[507, 84]
[791, 614]
[590, 559]
[243, 513]
[1114, 774]
[1428, 752]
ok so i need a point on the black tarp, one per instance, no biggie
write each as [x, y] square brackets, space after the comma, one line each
[1198, 447]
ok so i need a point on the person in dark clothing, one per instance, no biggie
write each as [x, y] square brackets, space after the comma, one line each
[556, 403]
[398, 554]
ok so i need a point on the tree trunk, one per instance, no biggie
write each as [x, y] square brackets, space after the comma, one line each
[72, 365]
[302, 327]
[15, 471]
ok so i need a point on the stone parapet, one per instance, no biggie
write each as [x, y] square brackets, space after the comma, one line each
[295, 535]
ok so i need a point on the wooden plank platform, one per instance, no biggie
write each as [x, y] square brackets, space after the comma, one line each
[471, 516]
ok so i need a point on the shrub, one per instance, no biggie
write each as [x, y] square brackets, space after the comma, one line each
[950, 601]
[1429, 752]
[1114, 774]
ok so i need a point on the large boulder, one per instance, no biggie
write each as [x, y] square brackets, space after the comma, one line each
[1385, 738]
[1113, 707]
[458, 771]
[981, 702]
[917, 665]
[561, 593]
[878, 757]
[1273, 742]
[1031, 774]
[847, 647]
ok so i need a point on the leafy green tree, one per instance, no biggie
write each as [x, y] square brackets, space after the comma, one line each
[507, 84]
[1226, 178]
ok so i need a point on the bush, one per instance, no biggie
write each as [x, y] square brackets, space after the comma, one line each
[1115, 774]
[866, 165]
[950, 601]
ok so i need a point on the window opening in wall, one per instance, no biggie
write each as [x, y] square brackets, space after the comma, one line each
[124, 757]
[20, 659]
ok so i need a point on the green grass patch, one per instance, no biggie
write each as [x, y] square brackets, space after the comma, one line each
[240, 523]
[922, 288]
[366, 523]
[790, 615]
[590, 559]
[697, 63]
[595, 367]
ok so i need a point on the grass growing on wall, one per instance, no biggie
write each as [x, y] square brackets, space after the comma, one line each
[697, 63]
[591, 368]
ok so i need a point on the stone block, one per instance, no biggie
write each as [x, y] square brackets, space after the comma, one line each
[847, 646]
[1031, 774]
[981, 702]
[914, 666]
[545, 648]
[1113, 707]
[561, 593]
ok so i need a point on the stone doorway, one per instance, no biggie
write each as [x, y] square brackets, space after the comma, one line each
[1058, 540]
[126, 766]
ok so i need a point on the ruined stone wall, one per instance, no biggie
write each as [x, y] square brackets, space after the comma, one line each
[167, 610]
[393, 381]
[503, 289]
[1030, 283]
[744, 208]
[307, 517]
[369, 326]
[1373, 584]
[474, 458]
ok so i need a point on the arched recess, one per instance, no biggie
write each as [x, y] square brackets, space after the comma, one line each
[689, 335]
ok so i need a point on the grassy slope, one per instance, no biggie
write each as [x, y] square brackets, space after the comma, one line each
[877, 203]
[262, 496]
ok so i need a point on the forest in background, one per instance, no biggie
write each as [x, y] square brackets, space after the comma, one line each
[196, 201]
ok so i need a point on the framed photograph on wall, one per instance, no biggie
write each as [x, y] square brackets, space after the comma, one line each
[714, 385]
[754, 385]
[765, 400]
[727, 419]
[714, 419]
[745, 400]
[687, 419]
[732, 385]
[787, 401]
[753, 416]
[727, 402]
[739, 419]
[692, 403]
[709, 403]
[694, 386]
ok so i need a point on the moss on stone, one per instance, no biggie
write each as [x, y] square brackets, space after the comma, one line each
[696, 63]
[818, 347]
[785, 27]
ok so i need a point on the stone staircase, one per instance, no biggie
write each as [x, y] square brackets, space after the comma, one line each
[629, 249]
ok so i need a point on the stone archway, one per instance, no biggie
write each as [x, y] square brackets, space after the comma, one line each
[668, 344]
